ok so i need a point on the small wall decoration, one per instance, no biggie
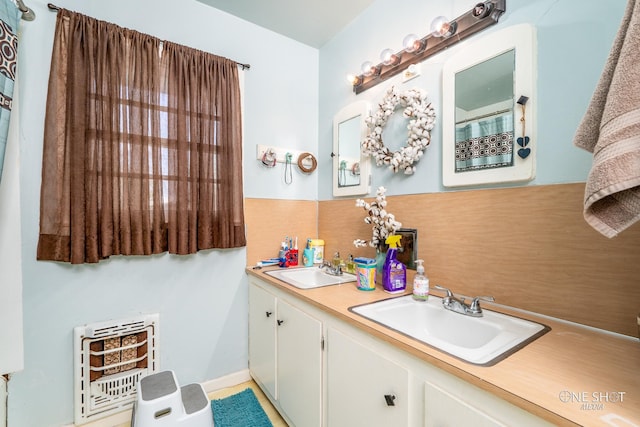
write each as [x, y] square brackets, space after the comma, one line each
[523, 141]
[421, 117]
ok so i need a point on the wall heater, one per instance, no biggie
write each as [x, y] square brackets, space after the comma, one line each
[110, 358]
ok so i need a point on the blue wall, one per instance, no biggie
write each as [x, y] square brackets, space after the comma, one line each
[291, 94]
[201, 299]
[573, 36]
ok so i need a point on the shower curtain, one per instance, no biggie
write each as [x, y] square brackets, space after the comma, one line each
[9, 17]
[485, 143]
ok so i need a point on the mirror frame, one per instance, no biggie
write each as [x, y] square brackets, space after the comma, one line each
[362, 109]
[522, 38]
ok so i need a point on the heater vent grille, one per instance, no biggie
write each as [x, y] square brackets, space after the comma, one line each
[97, 330]
[110, 360]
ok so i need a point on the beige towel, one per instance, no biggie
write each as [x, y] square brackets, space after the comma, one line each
[610, 130]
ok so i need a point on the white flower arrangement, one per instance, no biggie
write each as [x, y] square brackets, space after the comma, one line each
[421, 117]
[384, 223]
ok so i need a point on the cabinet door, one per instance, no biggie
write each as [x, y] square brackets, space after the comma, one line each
[358, 379]
[461, 404]
[299, 366]
[442, 409]
[262, 338]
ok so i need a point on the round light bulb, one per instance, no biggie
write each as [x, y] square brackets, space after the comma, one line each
[353, 79]
[388, 57]
[440, 26]
[482, 10]
[367, 68]
[410, 43]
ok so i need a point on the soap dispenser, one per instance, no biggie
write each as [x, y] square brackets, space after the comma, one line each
[351, 265]
[420, 283]
[394, 272]
[337, 261]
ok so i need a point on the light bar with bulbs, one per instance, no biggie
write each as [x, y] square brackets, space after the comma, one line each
[444, 33]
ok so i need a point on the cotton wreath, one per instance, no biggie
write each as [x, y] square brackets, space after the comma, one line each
[421, 117]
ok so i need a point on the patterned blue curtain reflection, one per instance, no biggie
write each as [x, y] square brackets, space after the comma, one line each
[485, 143]
[9, 18]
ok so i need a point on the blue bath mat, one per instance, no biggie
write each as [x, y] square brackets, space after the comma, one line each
[239, 410]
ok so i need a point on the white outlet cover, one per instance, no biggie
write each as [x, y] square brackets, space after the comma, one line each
[411, 72]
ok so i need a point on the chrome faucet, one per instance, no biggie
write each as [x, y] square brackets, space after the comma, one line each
[450, 302]
[334, 270]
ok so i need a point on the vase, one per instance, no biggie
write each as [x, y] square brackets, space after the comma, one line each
[381, 256]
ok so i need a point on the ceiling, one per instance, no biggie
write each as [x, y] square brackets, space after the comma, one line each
[312, 22]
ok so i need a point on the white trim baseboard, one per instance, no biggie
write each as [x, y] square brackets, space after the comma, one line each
[227, 381]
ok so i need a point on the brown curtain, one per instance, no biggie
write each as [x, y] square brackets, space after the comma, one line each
[142, 146]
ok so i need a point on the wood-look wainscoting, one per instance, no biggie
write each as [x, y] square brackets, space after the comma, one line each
[529, 247]
[269, 221]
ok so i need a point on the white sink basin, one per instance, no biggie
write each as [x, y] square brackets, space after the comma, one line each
[310, 277]
[479, 340]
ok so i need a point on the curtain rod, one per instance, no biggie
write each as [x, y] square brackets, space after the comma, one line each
[55, 8]
[483, 116]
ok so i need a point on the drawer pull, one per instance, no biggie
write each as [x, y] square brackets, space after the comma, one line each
[268, 313]
[280, 322]
[390, 398]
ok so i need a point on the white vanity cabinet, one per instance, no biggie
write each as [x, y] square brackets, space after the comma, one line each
[364, 388]
[359, 379]
[285, 356]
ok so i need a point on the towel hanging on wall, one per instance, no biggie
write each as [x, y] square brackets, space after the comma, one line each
[9, 17]
[610, 130]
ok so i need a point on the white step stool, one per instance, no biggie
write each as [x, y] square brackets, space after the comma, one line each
[160, 403]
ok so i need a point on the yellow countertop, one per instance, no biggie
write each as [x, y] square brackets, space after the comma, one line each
[572, 375]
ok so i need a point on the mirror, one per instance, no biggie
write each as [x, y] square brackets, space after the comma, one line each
[484, 114]
[488, 89]
[350, 167]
